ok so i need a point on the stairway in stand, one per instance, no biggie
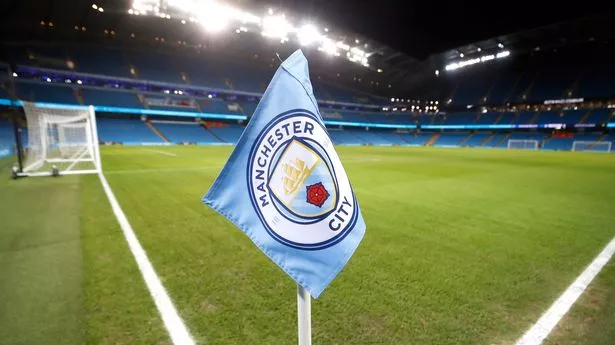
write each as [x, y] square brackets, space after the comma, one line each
[504, 138]
[433, 139]
[486, 140]
[155, 130]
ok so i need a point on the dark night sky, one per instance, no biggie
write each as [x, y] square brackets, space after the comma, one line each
[420, 28]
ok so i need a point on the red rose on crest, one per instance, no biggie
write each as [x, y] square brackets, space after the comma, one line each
[317, 194]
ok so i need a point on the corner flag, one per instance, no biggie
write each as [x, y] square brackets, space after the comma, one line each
[285, 187]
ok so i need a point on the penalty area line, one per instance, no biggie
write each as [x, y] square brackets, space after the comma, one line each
[547, 322]
[172, 321]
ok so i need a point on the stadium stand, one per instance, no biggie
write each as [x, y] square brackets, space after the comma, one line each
[229, 133]
[7, 140]
[450, 139]
[110, 98]
[185, 132]
[126, 131]
[46, 93]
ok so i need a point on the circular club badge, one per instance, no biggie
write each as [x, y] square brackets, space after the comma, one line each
[297, 184]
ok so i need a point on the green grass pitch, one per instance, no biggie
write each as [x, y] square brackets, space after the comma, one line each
[463, 246]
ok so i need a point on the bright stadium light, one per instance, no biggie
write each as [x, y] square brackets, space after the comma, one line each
[15, 75]
[48, 80]
[343, 45]
[500, 45]
[379, 70]
[79, 81]
[328, 46]
[502, 54]
[215, 17]
[100, 9]
[94, 6]
[461, 55]
[308, 34]
[276, 27]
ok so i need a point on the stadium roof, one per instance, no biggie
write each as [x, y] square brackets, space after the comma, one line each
[408, 40]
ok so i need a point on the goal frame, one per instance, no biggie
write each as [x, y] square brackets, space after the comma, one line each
[591, 143]
[533, 141]
[93, 148]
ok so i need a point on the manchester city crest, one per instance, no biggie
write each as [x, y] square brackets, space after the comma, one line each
[297, 183]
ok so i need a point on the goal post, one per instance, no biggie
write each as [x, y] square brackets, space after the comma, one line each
[523, 144]
[61, 140]
[592, 146]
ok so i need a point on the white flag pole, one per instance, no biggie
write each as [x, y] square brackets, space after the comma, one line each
[304, 313]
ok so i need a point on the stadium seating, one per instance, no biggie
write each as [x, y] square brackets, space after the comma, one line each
[476, 139]
[46, 93]
[102, 61]
[228, 134]
[598, 116]
[418, 139]
[450, 139]
[110, 98]
[7, 140]
[372, 138]
[126, 131]
[342, 137]
[191, 132]
[155, 67]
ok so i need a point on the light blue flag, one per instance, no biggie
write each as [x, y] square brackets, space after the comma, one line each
[285, 187]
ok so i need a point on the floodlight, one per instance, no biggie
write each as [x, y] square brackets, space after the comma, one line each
[502, 54]
[500, 45]
[276, 27]
[392, 99]
[379, 70]
[343, 45]
[100, 9]
[15, 74]
[308, 34]
[461, 55]
[48, 80]
[215, 17]
[328, 46]
[94, 6]
[79, 81]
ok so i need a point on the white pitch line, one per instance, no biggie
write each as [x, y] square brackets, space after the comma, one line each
[162, 152]
[175, 326]
[547, 322]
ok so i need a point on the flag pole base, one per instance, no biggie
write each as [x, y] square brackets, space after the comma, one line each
[304, 313]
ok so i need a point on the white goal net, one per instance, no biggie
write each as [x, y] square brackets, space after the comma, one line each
[62, 140]
[593, 146]
[523, 144]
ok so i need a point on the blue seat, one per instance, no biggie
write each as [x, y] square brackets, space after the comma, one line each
[46, 93]
[186, 132]
[111, 98]
[127, 131]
